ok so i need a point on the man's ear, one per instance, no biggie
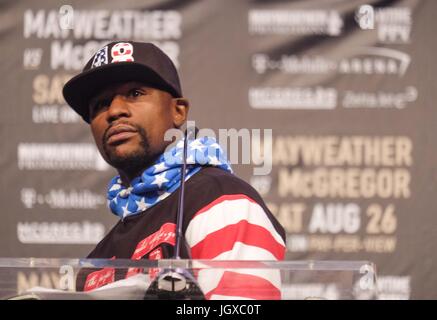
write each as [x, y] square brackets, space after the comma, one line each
[180, 111]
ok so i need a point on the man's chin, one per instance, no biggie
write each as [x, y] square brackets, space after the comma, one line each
[128, 160]
[123, 150]
[129, 155]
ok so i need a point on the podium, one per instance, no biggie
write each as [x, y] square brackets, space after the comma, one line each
[41, 278]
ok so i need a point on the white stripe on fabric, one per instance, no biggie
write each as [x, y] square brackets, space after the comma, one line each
[227, 213]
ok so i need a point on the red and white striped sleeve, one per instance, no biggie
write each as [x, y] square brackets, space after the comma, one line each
[236, 227]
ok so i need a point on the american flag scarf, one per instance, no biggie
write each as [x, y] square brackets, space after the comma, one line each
[160, 180]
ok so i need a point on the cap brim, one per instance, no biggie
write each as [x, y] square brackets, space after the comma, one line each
[81, 88]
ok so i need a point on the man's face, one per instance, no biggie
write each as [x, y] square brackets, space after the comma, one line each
[128, 122]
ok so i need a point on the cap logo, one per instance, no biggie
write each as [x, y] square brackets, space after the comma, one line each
[122, 52]
[101, 57]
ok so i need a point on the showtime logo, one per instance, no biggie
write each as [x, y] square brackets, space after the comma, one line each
[60, 156]
[309, 22]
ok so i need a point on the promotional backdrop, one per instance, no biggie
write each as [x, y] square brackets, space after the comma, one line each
[347, 88]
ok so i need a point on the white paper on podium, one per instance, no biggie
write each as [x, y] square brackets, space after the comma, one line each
[132, 288]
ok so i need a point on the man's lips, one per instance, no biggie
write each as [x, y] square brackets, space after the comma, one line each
[119, 133]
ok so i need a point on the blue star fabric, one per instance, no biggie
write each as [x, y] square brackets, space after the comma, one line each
[161, 179]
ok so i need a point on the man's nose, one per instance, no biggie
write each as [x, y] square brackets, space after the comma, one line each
[117, 108]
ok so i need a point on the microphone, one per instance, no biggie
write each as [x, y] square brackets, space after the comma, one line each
[189, 132]
[177, 283]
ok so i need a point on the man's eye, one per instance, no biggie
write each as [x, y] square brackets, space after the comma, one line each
[135, 93]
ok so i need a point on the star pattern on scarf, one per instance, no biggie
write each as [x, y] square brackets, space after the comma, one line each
[161, 179]
[126, 211]
[142, 205]
[160, 167]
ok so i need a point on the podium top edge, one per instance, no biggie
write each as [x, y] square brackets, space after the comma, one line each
[185, 263]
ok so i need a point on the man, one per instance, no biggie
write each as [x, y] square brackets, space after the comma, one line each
[130, 94]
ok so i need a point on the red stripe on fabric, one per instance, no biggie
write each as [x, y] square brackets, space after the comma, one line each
[224, 240]
[222, 199]
[246, 286]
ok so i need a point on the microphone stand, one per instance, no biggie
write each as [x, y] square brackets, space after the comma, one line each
[177, 283]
